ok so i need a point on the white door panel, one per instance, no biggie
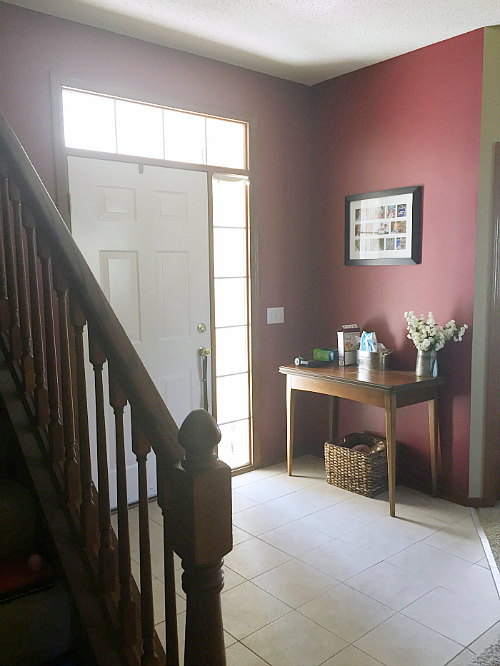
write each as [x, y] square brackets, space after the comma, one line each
[144, 233]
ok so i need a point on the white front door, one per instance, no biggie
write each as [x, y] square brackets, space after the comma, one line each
[144, 233]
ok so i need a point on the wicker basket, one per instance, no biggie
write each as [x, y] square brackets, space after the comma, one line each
[362, 473]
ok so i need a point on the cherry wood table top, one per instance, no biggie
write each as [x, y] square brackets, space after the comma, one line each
[362, 384]
[385, 379]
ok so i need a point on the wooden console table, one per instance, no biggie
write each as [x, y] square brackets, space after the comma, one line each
[388, 389]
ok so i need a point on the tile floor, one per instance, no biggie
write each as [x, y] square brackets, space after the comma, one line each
[319, 575]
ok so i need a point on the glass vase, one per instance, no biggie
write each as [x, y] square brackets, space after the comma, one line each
[426, 365]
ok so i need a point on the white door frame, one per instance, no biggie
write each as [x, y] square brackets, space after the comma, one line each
[61, 152]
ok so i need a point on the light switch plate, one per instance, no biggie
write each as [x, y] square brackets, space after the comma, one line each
[275, 315]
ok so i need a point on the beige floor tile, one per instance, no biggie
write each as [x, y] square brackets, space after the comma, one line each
[280, 468]
[177, 561]
[364, 506]
[254, 557]
[299, 480]
[328, 493]
[430, 563]
[136, 572]
[295, 538]
[178, 583]
[239, 655]
[433, 507]
[158, 601]
[378, 539]
[297, 505]
[292, 640]
[483, 563]
[133, 517]
[416, 526]
[455, 617]
[351, 656]
[340, 559]
[240, 535]
[155, 513]
[295, 583]
[403, 642]
[392, 586]
[485, 640]
[255, 475]
[231, 578]
[259, 519]
[266, 490]
[155, 534]
[309, 465]
[459, 539]
[247, 608]
[240, 502]
[346, 612]
[157, 568]
[475, 583]
[180, 604]
[335, 521]
[461, 659]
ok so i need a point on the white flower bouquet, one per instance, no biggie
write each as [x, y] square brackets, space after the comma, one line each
[429, 336]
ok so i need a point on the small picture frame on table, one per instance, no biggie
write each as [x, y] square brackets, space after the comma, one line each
[384, 228]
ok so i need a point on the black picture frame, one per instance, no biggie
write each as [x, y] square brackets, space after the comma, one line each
[384, 228]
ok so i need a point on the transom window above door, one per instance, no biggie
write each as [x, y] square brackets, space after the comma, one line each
[112, 125]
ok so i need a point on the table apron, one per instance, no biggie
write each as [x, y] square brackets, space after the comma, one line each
[368, 395]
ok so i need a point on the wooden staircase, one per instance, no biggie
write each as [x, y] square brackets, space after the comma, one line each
[48, 297]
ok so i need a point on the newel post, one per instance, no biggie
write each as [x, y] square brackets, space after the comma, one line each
[198, 515]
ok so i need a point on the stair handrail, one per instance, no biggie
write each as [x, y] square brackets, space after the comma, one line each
[157, 422]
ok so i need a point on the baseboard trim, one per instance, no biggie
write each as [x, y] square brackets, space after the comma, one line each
[476, 502]
[487, 549]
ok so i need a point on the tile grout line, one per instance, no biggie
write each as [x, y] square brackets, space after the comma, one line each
[487, 549]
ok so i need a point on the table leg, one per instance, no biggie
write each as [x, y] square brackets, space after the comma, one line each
[390, 431]
[290, 420]
[434, 442]
[334, 417]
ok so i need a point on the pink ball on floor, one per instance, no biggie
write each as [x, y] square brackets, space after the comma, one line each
[35, 562]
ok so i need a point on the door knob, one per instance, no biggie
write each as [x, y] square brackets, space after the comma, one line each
[204, 351]
[201, 328]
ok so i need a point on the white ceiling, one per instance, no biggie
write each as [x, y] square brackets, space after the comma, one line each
[307, 41]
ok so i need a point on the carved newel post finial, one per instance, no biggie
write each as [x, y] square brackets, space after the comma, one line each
[199, 435]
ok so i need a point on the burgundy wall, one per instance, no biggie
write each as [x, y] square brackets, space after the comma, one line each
[32, 45]
[412, 120]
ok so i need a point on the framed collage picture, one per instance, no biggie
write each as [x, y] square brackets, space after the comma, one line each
[384, 228]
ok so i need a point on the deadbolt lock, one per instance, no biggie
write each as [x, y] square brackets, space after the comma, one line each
[201, 328]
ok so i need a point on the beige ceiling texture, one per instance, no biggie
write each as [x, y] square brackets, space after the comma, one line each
[307, 41]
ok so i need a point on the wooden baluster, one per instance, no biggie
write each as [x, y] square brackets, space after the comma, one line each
[10, 265]
[107, 572]
[196, 503]
[27, 364]
[126, 605]
[141, 448]
[56, 435]
[41, 393]
[71, 466]
[4, 296]
[88, 509]
[171, 637]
